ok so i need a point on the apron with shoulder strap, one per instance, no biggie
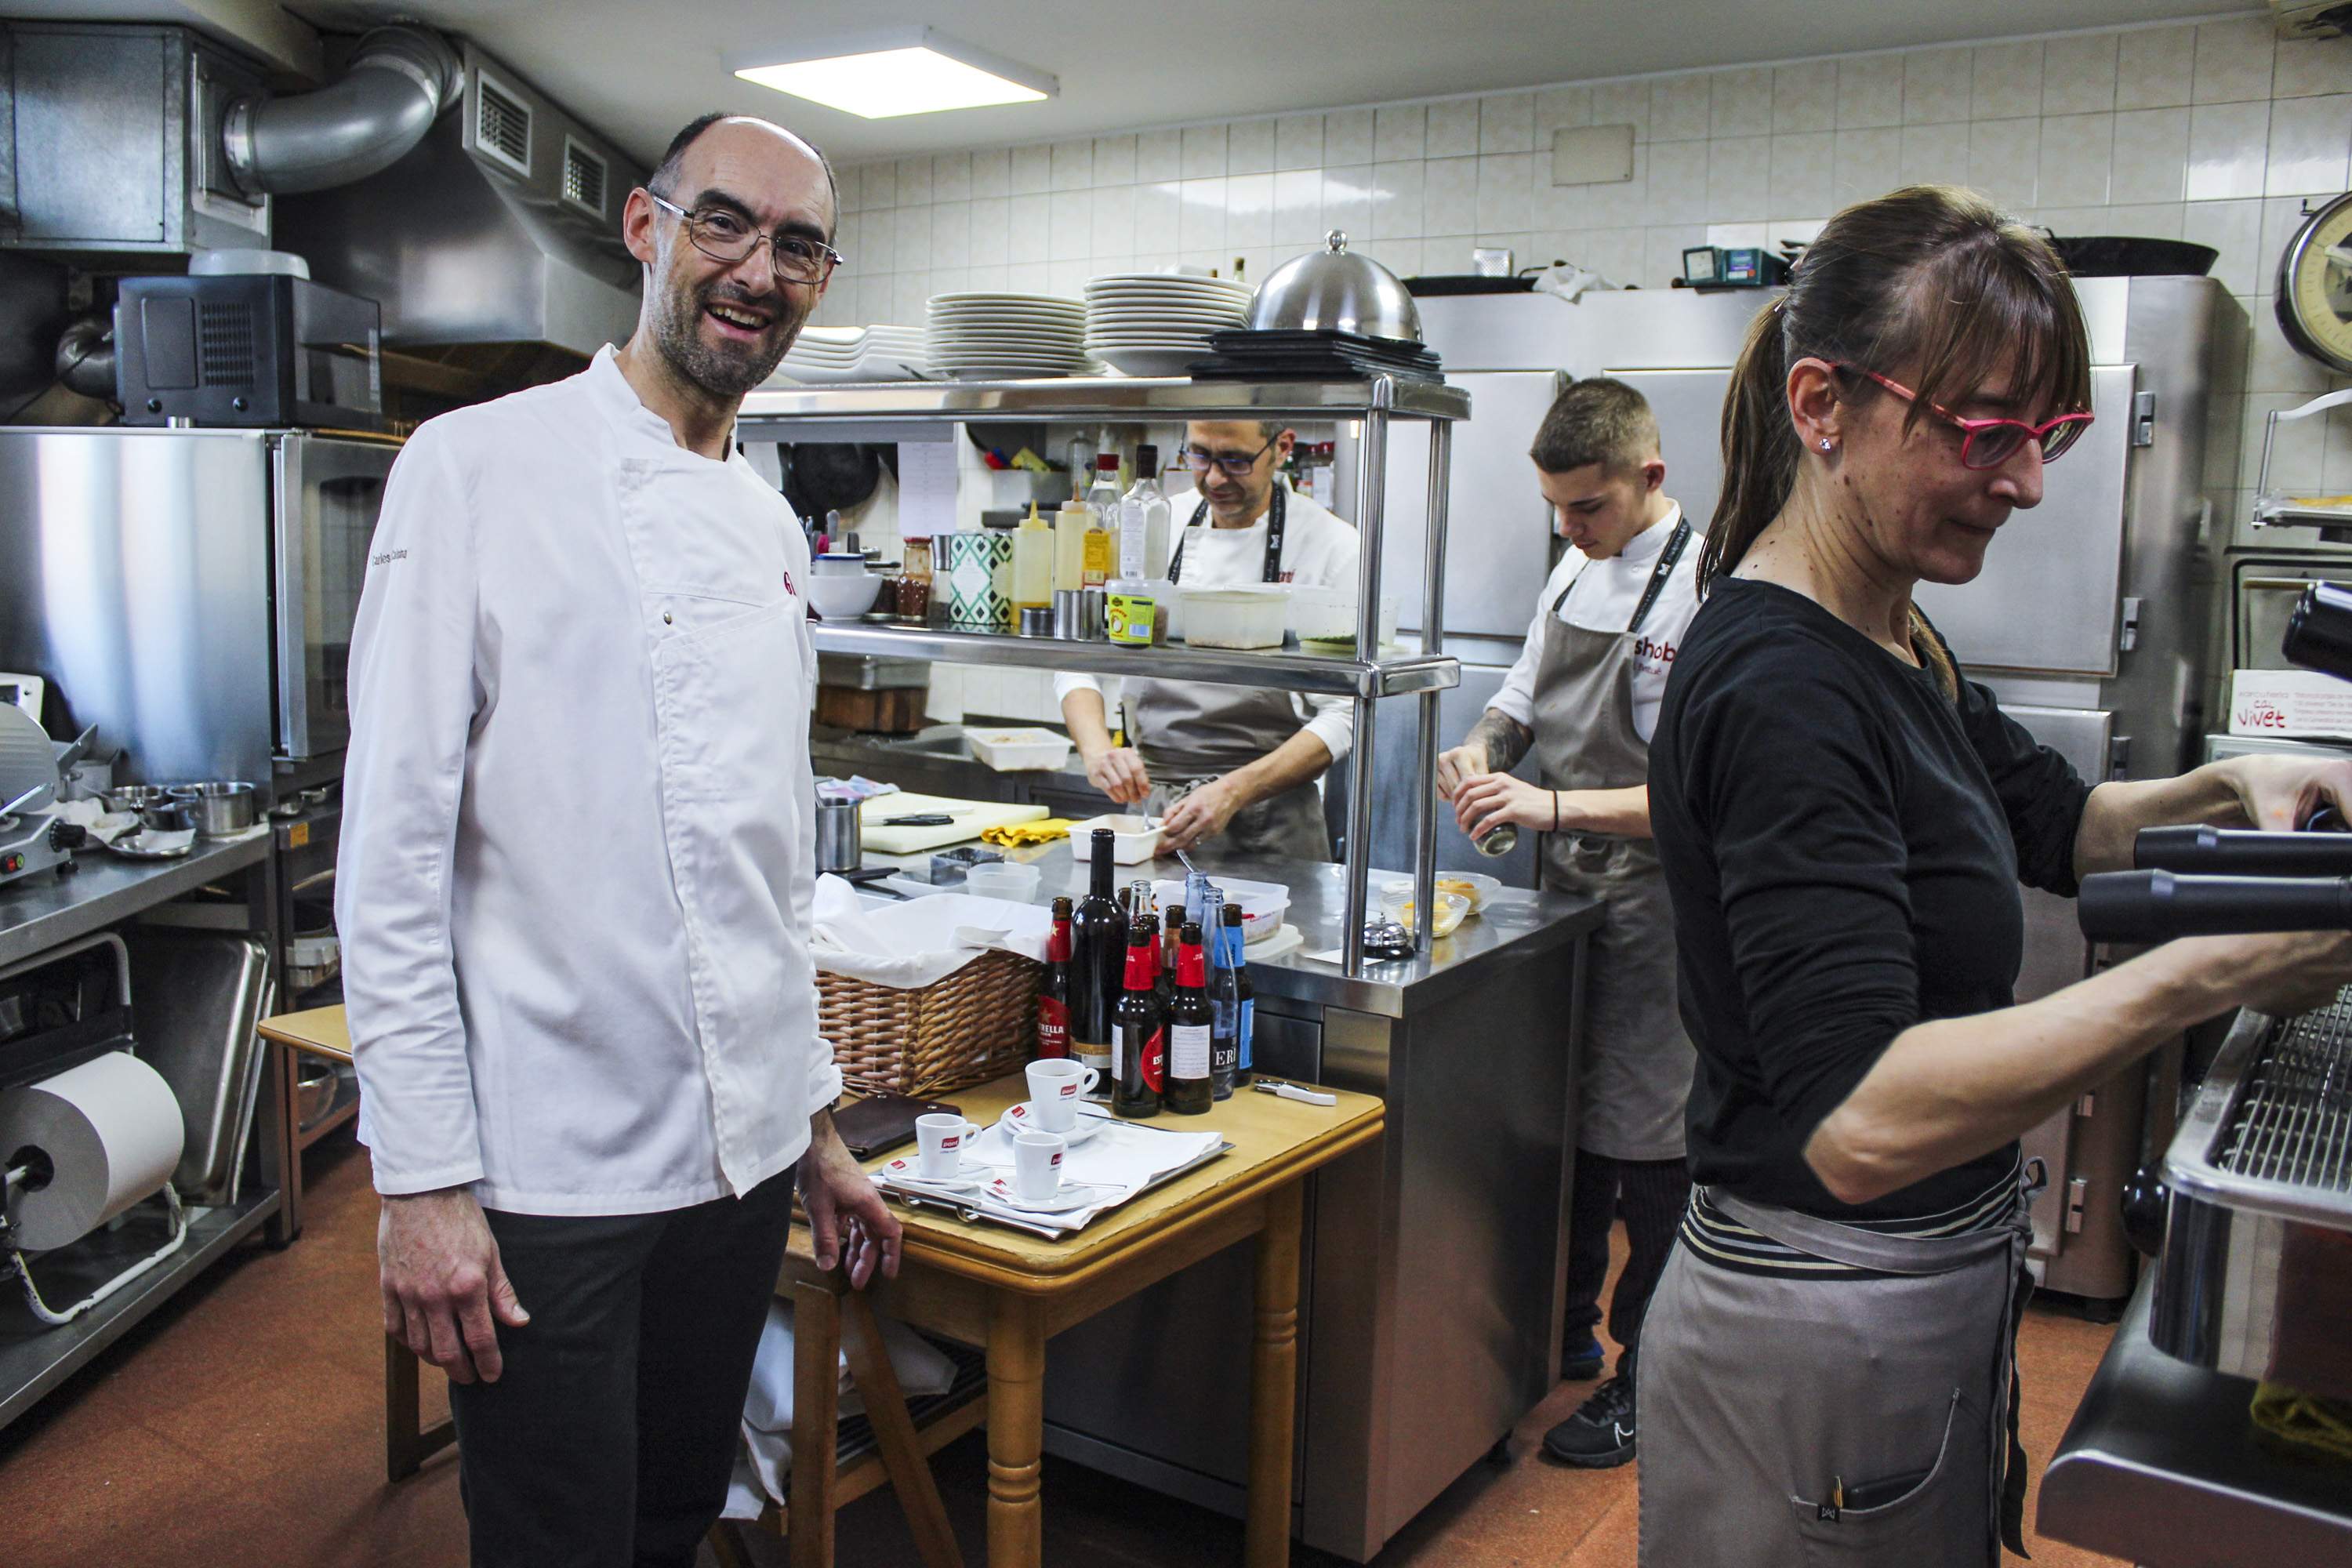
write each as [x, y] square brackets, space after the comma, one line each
[1635, 1075]
[1188, 732]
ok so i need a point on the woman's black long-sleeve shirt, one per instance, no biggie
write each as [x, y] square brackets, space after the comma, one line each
[1843, 843]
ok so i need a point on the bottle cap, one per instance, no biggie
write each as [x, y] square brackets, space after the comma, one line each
[1146, 459]
[1105, 462]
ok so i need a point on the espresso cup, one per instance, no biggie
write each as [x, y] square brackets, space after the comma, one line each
[940, 1141]
[1037, 1166]
[1055, 1087]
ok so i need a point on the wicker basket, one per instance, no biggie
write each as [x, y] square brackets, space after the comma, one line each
[976, 1025]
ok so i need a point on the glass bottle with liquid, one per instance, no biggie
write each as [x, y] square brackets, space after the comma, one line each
[1097, 953]
[1190, 1030]
[1139, 1029]
[1101, 546]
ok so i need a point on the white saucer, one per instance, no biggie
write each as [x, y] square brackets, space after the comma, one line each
[1070, 1197]
[909, 1168]
[1022, 1118]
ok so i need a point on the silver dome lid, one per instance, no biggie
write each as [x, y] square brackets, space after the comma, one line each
[1333, 290]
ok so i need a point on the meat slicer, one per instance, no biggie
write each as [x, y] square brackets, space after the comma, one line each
[33, 836]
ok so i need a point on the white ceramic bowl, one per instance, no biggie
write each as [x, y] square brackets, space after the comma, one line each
[844, 598]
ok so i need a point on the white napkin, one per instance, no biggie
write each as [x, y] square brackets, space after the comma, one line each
[1121, 1159]
[912, 944]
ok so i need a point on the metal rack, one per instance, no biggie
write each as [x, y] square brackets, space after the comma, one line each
[913, 411]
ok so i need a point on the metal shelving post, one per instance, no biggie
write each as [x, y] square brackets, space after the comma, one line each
[906, 411]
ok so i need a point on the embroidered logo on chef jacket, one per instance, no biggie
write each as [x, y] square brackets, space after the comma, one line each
[1656, 654]
[795, 592]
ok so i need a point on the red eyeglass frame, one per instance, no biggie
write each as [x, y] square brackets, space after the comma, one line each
[2072, 425]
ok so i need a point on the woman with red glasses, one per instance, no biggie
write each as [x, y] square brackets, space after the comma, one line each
[1843, 820]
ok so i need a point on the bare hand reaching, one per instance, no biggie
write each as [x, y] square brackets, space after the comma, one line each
[849, 1224]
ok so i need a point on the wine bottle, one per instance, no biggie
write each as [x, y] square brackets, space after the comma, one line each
[1097, 957]
[1138, 1030]
[1189, 1030]
[1054, 991]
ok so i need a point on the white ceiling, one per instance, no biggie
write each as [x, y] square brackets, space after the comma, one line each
[638, 71]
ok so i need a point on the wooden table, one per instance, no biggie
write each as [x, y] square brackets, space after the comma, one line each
[986, 1285]
[407, 1442]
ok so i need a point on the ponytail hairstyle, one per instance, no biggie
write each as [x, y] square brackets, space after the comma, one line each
[1929, 283]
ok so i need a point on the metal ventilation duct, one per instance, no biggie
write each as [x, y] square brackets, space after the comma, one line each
[397, 83]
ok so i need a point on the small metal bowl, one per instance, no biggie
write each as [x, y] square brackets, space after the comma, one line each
[134, 797]
[219, 809]
[166, 815]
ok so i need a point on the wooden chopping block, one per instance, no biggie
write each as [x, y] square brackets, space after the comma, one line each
[890, 712]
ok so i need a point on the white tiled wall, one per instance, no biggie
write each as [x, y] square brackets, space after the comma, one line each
[2216, 132]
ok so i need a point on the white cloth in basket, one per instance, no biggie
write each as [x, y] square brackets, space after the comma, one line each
[909, 946]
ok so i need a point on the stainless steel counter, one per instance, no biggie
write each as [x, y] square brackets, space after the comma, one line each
[1517, 926]
[2161, 1466]
[42, 910]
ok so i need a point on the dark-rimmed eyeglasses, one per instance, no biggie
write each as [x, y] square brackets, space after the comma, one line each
[727, 236]
[1200, 461]
[1989, 443]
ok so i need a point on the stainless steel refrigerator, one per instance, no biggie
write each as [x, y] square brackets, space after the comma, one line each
[2092, 619]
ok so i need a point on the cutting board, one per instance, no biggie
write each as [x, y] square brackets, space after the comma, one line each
[972, 817]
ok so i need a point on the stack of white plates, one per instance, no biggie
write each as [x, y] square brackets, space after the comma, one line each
[1158, 323]
[829, 355]
[1007, 337]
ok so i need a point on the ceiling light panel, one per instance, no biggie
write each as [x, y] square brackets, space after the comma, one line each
[880, 77]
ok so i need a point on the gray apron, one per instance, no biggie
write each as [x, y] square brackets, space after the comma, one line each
[1635, 1076]
[1764, 1396]
[1190, 732]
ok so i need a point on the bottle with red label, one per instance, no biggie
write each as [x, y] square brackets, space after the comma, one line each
[1188, 1092]
[1138, 1028]
[1054, 992]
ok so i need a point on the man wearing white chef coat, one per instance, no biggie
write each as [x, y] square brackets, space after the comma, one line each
[574, 889]
[1235, 765]
[1584, 698]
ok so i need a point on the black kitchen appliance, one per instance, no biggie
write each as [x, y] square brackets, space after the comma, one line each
[248, 349]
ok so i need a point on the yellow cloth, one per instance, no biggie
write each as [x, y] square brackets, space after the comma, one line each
[2304, 1421]
[1022, 835]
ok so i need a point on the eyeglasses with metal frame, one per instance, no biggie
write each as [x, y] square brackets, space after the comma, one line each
[1988, 443]
[1200, 462]
[725, 235]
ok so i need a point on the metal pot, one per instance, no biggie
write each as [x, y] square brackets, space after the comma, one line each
[219, 809]
[135, 797]
[1332, 291]
[839, 828]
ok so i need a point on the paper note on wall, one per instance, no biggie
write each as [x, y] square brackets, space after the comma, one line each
[927, 488]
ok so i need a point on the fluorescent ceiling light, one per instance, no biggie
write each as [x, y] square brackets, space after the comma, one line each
[914, 70]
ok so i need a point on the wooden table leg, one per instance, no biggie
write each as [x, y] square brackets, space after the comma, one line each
[1017, 1430]
[401, 1418]
[816, 1412]
[1274, 1380]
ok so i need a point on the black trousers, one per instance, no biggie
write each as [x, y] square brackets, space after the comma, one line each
[608, 1439]
[1650, 1196]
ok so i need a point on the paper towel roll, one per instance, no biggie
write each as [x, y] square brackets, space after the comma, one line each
[107, 1131]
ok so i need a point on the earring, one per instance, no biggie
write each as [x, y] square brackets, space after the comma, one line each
[1825, 442]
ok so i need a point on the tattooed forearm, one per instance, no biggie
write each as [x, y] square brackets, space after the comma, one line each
[1506, 740]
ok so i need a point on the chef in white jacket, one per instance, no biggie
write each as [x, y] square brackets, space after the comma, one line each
[576, 883]
[1235, 765]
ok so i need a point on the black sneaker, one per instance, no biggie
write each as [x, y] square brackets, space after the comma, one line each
[1600, 1435]
[1582, 1363]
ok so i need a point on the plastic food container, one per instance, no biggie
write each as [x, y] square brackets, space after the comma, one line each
[1246, 617]
[1019, 750]
[1452, 909]
[1014, 883]
[1329, 615]
[1134, 840]
[1264, 904]
[1470, 884]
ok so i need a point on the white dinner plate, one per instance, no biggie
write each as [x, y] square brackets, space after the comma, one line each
[1163, 283]
[1151, 362]
[977, 296]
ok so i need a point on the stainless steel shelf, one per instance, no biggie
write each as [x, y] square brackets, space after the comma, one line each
[40, 911]
[35, 1359]
[1276, 670]
[1102, 397]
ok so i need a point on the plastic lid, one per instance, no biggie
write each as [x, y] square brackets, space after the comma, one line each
[1107, 462]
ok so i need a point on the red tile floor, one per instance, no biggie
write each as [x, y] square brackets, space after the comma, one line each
[243, 1425]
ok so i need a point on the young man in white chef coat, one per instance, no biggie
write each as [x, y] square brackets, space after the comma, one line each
[1584, 697]
[574, 889]
[1230, 764]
